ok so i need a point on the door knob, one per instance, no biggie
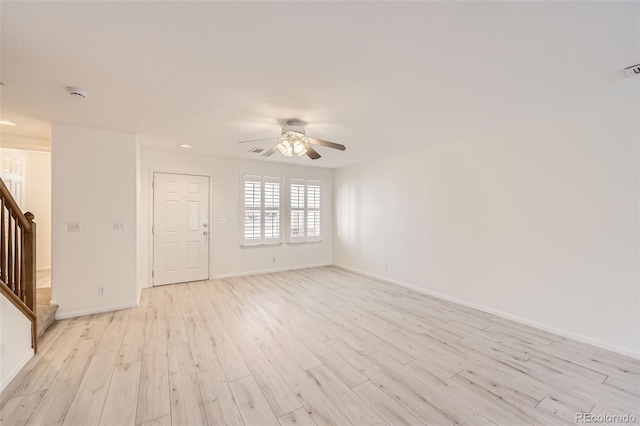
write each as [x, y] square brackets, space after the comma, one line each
[205, 233]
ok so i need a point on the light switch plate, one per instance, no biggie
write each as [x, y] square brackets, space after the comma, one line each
[222, 221]
[118, 225]
[74, 227]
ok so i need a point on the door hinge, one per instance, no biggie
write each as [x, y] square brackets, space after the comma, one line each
[153, 273]
[153, 229]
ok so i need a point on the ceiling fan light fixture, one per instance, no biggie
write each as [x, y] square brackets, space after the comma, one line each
[299, 148]
[293, 142]
[286, 148]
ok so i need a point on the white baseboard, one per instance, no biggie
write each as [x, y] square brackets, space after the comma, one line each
[269, 271]
[27, 356]
[43, 269]
[73, 314]
[560, 332]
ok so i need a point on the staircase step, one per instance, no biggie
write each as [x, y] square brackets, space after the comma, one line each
[45, 310]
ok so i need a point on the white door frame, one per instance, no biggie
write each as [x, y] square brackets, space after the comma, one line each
[150, 220]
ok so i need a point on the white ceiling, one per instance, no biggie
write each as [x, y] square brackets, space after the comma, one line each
[379, 77]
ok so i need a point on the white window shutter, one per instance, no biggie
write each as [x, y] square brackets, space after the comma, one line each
[261, 209]
[304, 210]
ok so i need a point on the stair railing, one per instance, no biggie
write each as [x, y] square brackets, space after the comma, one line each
[18, 259]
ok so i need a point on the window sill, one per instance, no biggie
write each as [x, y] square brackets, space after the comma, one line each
[297, 243]
[250, 246]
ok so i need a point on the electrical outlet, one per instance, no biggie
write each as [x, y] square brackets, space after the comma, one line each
[100, 291]
[74, 227]
[118, 225]
[386, 266]
[274, 260]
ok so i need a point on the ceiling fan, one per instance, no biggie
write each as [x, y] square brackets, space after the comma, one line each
[293, 142]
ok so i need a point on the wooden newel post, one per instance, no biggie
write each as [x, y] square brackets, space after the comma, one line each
[29, 247]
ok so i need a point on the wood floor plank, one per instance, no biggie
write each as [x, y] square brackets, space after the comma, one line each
[18, 410]
[252, 404]
[517, 372]
[319, 407]
[232, 324]
[220, 406]
[9, 391]
[275, 389]
[343, 397]
[98, 325]
[300, 417]
[187, 302]
[48, 366]
[160, 421]
[156, 315]
[626, 365]
[187, 406]
[387, 408]
[232, 363]
[114, 332]
[204, 354]
[371, 338]
[153, 392]
[629, 385]
[88, 402]
[175, 328]
[52, 334]
[341, 368]
[132, 347]
[297, 350]
[56, 402]
[426, 403]
[122, 397]
[82, 321]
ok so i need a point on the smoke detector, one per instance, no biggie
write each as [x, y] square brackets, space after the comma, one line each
[75, 91]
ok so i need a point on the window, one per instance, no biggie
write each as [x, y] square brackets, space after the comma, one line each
[304, 207]
[261, 208]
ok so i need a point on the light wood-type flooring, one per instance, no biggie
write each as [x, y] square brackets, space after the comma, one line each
[316, 346]
[43, 279]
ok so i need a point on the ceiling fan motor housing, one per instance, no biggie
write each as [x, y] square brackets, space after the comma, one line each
[293, 128]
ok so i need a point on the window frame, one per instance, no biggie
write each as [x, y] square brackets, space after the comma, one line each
[263, 209]
[305, 211]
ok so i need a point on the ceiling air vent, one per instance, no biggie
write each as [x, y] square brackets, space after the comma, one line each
[257, 150]
[633, 71]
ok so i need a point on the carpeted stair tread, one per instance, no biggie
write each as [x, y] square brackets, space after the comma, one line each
[46, 311]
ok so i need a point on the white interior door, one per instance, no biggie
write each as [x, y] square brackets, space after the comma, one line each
[180, 228]
[12, 173]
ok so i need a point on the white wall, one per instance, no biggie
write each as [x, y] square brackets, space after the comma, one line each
[538, 223]
[38, 202]
[94, 183]
[227, 257]
[15, 341]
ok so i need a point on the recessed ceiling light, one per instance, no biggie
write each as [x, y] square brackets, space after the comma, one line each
[184, 145]
[7, 123]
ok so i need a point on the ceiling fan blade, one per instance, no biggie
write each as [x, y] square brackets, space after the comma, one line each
[258, 140]
[327, 144]
[270, 151]
[311, 153]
